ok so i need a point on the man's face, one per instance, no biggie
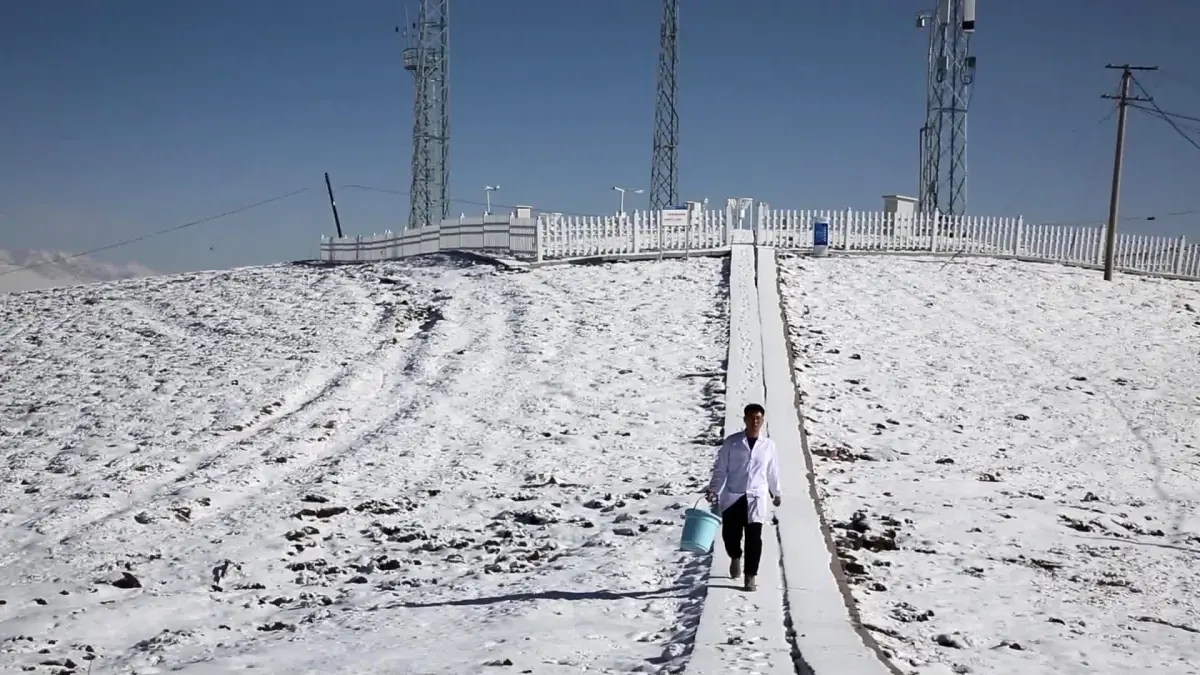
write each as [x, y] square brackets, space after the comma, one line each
[754, 422]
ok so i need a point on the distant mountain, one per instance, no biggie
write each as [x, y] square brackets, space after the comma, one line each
[51, 269]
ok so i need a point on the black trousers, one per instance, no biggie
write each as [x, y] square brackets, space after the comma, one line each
[734, 524]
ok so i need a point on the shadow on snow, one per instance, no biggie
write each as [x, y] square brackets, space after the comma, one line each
[674, 591]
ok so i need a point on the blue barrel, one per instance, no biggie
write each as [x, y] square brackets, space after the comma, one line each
[699, 530]
[821, 237]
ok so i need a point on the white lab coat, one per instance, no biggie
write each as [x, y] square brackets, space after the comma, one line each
[761, 465]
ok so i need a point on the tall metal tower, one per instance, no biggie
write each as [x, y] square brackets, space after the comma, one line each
[428, 58]
[664, 172]
[949, 75]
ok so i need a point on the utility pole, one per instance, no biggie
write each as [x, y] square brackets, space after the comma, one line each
[1123, 100]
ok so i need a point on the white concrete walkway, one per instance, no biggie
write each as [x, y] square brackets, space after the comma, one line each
[743, 632]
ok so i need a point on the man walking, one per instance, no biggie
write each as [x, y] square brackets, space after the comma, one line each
[745, 473]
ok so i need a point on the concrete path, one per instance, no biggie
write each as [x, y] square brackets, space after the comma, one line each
[743, 632]
[804, 625]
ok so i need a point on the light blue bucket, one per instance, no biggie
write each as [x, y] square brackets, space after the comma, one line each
[699, 530]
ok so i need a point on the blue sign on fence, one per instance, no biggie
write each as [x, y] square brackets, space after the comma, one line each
[820, 237]
[821, 232]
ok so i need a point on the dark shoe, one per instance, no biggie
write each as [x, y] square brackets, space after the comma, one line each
[735, 568]
[750, 583]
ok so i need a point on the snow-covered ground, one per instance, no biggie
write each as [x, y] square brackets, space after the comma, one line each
[1010, 454]
[30, 270]
[421, 467]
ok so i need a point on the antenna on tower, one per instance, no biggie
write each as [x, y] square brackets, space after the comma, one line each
[664, 172]
[427, 57]
[950, 73]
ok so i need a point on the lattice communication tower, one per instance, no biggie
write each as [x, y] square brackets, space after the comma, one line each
[950, 74]
[428, 58]
[664, 164]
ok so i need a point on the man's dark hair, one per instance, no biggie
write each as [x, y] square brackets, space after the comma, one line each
[754, 408]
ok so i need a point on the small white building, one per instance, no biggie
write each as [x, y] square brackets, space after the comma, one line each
[901, 212]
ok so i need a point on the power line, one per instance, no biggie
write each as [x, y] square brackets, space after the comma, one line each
[1126, 219]
[1194, 127]
[1179, 79]
[1177, 127]
[1159, 111]
[161, 232]
[1077, 136]
[1163, 115]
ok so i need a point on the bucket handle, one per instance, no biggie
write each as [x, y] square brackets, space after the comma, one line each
[712, 508]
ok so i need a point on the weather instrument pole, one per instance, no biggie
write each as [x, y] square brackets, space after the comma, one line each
[337, 222]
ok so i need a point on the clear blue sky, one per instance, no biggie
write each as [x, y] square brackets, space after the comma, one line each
[121, 117]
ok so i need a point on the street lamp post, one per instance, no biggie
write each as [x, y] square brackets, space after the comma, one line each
[623, 191]
[487, 193]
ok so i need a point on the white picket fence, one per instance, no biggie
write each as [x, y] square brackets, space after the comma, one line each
[857, 231]
[552, 237]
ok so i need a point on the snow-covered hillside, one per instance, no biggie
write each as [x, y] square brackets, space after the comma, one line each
[1009, 454]
[35, 270]
[419, 467]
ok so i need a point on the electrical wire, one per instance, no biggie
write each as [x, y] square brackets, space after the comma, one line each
[232, 212]
[1155, 111]
[369, 188]
[1195, 127]
[168, 230]
[1077, 136]
[1186, 118]
[1177, 79]
[1125, 219]
[1164, 115]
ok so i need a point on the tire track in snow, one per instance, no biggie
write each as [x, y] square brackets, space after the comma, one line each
[361, 403]
[375, 409]
[237, 453]
[550, 373]
[538, 324]
[301, 406]
[397, 388]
